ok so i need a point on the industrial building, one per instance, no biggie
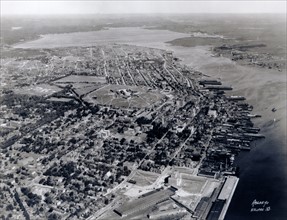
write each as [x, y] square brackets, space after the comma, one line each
[145, 202]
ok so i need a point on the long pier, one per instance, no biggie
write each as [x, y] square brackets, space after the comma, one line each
[221, 204]
[232, 184]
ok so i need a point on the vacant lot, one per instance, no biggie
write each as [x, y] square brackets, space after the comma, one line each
[192, 185]
[183, 178]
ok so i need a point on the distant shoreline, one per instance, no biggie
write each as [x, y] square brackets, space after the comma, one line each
[25, 41]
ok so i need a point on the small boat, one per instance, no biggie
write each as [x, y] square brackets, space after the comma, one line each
[253, 116]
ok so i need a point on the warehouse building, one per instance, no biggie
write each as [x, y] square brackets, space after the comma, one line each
[145, 202]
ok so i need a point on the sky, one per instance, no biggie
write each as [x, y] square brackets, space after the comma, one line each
[54, 7]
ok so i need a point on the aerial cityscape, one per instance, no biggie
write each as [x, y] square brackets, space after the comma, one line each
[154, 117]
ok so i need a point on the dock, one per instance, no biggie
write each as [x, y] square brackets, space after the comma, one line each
[227, 194]
[221, 204]
[218, 87]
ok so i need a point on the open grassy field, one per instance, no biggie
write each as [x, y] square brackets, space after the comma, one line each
[144, 178]
[81, 79]
[54, 99]
[39, 90]
[84, 89]
[82, 84]
[124, 96]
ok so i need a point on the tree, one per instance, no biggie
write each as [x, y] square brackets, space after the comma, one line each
[25, 190]
[53, 216]
[122, 141]
[9, 207]
[48, 200]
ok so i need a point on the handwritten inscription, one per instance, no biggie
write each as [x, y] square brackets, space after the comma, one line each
[260, 206]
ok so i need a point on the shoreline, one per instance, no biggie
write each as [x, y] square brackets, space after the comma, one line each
[25, 41]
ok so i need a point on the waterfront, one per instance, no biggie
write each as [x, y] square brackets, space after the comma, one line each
[263, 168]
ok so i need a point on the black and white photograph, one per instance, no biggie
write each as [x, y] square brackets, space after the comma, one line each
[141, 109]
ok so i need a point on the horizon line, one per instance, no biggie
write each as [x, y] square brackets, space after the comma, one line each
[144, 13]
